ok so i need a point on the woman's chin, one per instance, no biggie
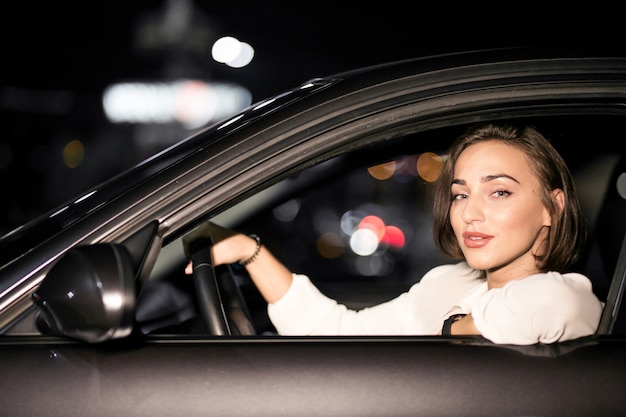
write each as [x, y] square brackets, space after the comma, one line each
[480, 264]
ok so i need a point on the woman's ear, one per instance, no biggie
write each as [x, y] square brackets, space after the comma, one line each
[559, 198]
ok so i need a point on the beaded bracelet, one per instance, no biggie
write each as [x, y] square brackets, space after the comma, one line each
[256, 251]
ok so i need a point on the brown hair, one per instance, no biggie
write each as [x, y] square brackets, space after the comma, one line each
[567, 234]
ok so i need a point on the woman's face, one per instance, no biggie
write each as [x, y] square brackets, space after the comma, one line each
[497, 214]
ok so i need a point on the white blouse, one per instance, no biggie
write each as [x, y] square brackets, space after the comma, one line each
[546, 308]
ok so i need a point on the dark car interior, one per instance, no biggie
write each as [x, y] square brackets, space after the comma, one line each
[300, 221]
[604, 258]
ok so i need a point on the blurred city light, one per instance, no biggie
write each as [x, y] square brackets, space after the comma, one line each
[226, 49]
[287, 211]
[368, 232]
[244, 58]
[364, 242]
[383, 171]
[73, 153]
[330, 245]
[350, 221]
[375, 224]
[232, 52]
[429, 166]
[379, 263]
[192, 103]
[393, 236]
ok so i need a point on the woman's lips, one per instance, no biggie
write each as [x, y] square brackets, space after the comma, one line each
[475, 239]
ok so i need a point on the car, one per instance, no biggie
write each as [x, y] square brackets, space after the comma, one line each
[98, 318]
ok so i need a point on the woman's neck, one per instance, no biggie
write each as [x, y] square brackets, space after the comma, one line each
[499, 277]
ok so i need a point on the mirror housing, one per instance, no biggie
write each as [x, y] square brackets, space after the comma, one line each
[89, 294]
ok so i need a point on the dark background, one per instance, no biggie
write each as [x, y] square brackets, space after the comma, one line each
[58, 57]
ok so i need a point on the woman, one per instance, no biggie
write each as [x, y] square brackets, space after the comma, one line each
[506, 208]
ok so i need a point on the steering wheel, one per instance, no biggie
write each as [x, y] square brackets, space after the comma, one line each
[222, 305]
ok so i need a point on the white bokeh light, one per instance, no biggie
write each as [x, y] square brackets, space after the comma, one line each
[232, 52]
[246, 53]
[226, 49]
[364, 242]
[193, 103]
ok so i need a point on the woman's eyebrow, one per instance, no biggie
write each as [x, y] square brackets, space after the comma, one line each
[485, 179]
[488, 178]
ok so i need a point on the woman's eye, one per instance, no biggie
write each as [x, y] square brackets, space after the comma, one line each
[459, 196]
[501, 193]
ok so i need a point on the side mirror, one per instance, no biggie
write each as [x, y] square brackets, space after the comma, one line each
[89, 294]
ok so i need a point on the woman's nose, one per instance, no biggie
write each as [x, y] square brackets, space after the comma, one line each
[472, 210]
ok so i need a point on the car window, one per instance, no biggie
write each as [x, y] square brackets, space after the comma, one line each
[359, 225]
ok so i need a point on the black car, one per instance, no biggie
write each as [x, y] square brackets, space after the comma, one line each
[97, 317]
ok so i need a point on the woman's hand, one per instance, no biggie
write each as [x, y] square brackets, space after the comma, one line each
[235, 248]
[270, 276]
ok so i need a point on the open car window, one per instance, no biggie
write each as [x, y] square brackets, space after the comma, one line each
[359, 225]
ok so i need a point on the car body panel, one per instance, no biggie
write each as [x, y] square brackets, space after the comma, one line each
[261, 377]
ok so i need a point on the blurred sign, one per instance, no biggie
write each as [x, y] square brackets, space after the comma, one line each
[192, 103]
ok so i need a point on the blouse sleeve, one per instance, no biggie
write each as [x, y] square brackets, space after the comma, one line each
[542, 308]
[305, 311]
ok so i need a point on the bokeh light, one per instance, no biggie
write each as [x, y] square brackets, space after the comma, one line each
[368, 232]
[226, 49]
[192, 103]
[364, 242]
[246, 53]
[375, 224]
[232, 52]
[73, 153]
[394, 237]
[287, 211]
[378, 264]
[382, 171]
[429, 166]
[350, 220]
[330, 246]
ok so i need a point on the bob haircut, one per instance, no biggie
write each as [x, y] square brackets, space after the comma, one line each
[567, 234]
